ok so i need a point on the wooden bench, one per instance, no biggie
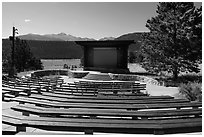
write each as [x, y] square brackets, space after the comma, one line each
[89, 114]
[106, 101]
[4, 94]
[74, 91]
[120, 92]
[91, 87]
[57, 104]
[77, 85]
[89, 126]
[104, 113]
[55, 94]
[115, 86]
[12, 91]
[73, 88]
[94, 92]
[119, 84]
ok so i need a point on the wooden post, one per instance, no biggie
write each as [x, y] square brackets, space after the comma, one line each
[12, 38]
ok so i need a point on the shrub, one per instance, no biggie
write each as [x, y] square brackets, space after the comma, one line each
[192, 91]
[183, 79]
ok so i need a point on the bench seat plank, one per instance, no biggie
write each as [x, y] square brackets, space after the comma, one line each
[108, 97]
[106, 101]
[105, 106]
[93, 93]
[87, 112]
[79, 124]
[11, 89]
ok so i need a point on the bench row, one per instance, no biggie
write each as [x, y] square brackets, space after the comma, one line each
[57, 104]
[105, 113]
[89, 126]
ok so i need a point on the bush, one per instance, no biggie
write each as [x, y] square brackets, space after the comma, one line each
[192, 91]
[183, 79]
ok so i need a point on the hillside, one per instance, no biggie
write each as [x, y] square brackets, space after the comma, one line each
[49, 49]
[132, 36]
[60, 49]
[53, 37]
[38, 37]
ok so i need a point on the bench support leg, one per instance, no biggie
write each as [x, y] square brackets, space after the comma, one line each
[29, 92]
[93, 117]
[3, 97]
[144, 118]
[88, 132]
[197, 116]
[16, 94]
[134, 118]
[158, 132]
[21, 129]
[115, 92]
[25, 113]
[39, 90]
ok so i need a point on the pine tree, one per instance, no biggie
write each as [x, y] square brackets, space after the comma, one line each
[174, 43]
[24, 59]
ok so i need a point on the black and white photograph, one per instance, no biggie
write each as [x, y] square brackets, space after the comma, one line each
[116, 68]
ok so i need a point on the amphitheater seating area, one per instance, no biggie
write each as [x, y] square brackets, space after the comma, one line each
[96, 106]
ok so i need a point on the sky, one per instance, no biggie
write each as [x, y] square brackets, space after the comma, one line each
[81, 19]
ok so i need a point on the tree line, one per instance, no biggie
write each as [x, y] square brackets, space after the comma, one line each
[24, 60]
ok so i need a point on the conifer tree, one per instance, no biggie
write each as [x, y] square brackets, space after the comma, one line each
[24, 59]
[174, 43]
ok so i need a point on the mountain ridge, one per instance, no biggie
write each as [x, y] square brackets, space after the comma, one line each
[67, 37]
[56, 48]
[54, 37]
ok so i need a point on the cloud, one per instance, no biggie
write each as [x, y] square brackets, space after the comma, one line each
[27, 20]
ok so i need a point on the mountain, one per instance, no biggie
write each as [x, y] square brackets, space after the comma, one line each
[48, 49]
[107, 38]
[38, 37]
[62, 46]
[53, 37]
[132, 36]
[67, 37]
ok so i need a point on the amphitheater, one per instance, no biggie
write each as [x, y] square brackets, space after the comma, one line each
[70, 102]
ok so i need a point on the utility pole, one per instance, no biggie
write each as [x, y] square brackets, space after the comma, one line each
[12, 71]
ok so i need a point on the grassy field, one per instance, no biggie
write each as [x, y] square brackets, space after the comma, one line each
[59, 64]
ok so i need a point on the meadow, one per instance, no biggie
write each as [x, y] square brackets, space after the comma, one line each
[59, 64]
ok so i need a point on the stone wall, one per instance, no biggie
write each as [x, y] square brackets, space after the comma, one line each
[41, 73]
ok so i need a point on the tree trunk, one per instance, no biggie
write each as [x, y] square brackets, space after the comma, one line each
[175, 73]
